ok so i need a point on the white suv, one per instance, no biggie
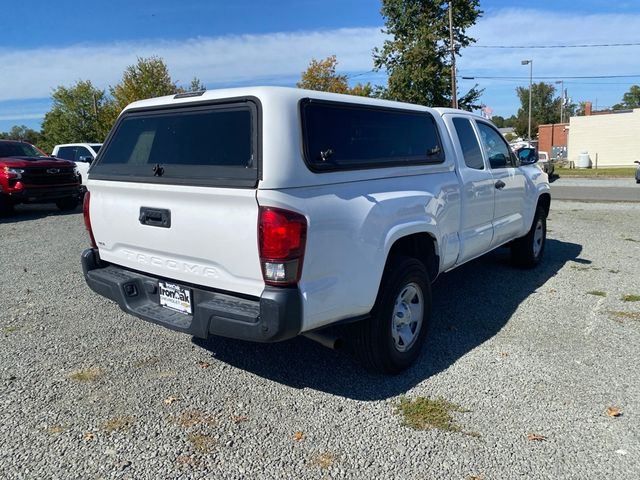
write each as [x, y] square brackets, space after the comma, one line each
[80, 153]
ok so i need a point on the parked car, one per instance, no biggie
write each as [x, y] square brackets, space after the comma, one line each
[264, 213]
[547, 164]
[637, 171]
[28, 176]
[80, 153]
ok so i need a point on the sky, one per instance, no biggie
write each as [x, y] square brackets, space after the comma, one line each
[256, 42]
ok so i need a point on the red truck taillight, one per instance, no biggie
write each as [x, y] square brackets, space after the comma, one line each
[87, 218]
[282, 237]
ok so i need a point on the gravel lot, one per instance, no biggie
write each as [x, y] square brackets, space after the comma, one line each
[87, 391]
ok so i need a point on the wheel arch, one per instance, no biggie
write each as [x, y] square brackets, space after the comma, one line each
[422, 245]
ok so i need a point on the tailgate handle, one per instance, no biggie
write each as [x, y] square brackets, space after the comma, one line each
[155, 217]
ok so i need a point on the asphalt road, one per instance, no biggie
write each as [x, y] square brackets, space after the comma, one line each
[533, 359]
[595, 190]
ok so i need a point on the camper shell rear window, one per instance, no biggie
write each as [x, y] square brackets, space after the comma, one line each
[344, 136]
[215, 144]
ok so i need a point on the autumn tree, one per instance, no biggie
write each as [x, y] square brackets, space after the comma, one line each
[417, 57]
[78, 114]
[321, 76]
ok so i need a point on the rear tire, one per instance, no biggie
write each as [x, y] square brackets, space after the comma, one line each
[527, 251]
[67, 204]
[391, 340]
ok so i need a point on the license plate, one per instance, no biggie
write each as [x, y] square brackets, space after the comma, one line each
[175, 297]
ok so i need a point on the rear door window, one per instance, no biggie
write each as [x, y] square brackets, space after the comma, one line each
[346, 136]
[469, 142]
[67, 153]
[215, 144]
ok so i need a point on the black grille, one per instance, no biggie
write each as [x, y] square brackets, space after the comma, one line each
[48, 176]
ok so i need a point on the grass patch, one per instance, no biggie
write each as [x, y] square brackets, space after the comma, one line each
[10, 329]
[85, 374]
[191, 418]
[597, 293]
[201, 443]
[55, 429]
[620, 315]
[623, 172]
[118, 424]
[322, 460]
[146, 362]
[424, 413]
[583, 268]
[631, 298]
[614, 271]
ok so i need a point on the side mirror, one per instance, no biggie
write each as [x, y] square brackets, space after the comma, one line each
[527, 156]
[637, 161]
[87, 159]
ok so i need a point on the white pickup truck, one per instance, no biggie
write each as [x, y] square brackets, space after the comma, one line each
[265, 213]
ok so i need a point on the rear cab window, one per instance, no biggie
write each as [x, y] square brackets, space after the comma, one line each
[341, 136]
[214, 144]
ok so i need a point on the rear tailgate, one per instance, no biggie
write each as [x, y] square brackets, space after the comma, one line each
[173, 195]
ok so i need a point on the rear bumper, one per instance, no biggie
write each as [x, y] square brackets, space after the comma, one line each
[275, 316]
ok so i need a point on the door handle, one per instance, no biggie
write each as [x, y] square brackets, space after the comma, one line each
[500, 184]
[155, 217]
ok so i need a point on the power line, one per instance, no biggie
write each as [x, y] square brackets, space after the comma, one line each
[555, 77]
[583, 45]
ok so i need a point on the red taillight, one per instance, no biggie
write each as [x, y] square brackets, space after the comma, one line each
[87, 219]
[281, 239]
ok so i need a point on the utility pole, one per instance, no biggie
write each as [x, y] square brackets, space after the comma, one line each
[454, 90]
[530, 63]
[562, 96]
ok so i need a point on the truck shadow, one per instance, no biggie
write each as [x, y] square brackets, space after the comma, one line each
[23, 213]
[481, 307]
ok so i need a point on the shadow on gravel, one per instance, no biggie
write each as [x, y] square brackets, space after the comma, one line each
[487, 292]
[23, 213]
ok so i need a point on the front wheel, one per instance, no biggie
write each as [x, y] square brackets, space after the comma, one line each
[527, 251]
[67, 204]
[391, 340]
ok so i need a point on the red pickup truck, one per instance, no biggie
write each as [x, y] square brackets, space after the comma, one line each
[27, 175]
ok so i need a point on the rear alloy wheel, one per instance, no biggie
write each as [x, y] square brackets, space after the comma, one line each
[391, 340]
[67, 204]
[527, 251]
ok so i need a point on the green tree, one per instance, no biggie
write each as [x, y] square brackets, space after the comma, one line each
[630, 99]
[78, 114]
[196, 85]
[321, 75]
[417, 57]
[545, 108]
[23, 133]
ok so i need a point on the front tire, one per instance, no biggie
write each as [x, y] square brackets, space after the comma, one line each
[391, 340]
[6, 207]
[67, 204]
[527, 251]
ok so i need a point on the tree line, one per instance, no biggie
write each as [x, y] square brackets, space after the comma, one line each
[416, 58]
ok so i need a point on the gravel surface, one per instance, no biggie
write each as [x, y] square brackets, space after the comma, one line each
[87, 391]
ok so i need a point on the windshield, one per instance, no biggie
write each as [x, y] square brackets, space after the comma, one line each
[18, 149]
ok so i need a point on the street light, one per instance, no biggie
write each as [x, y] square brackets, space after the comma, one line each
[561, 82]
[530, 63]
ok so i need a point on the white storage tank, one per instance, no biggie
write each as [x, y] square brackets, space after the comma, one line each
[583, 160]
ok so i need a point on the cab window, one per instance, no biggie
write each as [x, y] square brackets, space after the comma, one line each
[495, 147]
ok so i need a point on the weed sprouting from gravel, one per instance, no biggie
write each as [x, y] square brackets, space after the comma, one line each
[55, 429]
[424, 413]
[201, 443]
[10, 329]
[620, 316]
[629, 239]
[631, 298]
[191, 418]
[597, 293]
[614, 271]
[146, 362]
[85, 374]
[115, 424]
[583, 268]
[322, 460]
